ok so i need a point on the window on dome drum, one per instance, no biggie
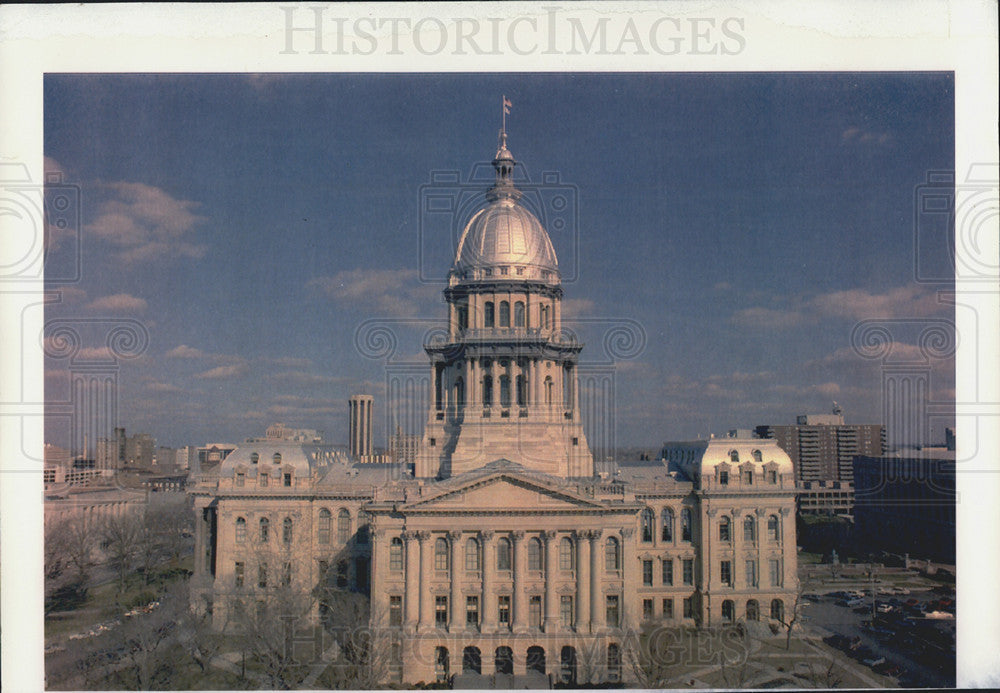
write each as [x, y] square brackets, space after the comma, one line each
[262, 575]
[548, 390]
[534, 554]
[724, 526]
[286, 531]
[734, 456]
[254, 458]
[396, 554]
[567, 556]
[395, 610]
[503, 610]
[241, 530]
[749, 529]
[503, 270]
[612, 557]
[647, 609]
[262, 480]
[535, 611]
[240, 478]
[472, 556]
[667, 525]
[611, 610]
[504, 314]
[265, 527]
[504, 391]
[441, 554]
[343, 526]
[323, 533]
[545, 317]
[757, 457]
[522, 391]
[441, 611]
[238, 573]
[726, 573]
[647, 525]
[687, 571]
[488, 390]
[503, 554]
[647, 573]
[686, 524]
[488, 314]
[277, 458]
[463, 317]
[773, 528]
[459, 391]
[667, 570]
[566, 611]
[519, 314]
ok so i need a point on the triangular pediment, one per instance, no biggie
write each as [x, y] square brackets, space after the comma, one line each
[503, 488]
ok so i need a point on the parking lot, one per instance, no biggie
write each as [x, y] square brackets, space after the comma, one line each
[917, 651]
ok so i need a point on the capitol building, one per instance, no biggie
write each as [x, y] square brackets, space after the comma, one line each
[504, 555]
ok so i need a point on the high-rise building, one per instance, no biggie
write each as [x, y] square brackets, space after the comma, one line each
[139, 449]
[360, 428]
[403, 448]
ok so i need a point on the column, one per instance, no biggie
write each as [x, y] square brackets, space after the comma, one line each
[489, 599]
[495, 377]
[582, 582]
[426, 602]
[199, 543]
[520, 620]
[596, 607]
[536, 382]
[379, 567]
[472, 386]
[455, 610]
[551, 598]
[412, 578]
[630, 573]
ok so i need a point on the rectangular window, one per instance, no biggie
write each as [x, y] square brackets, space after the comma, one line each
[751, 568]
[611, 610]
[688, 570]
[726, 573]
[263, 479]
[668, 608]
[287, 479]
[772, 477]
[262, 575]
[535, 611]
[240, 478]
[774, 568]
[668, 571]
[286, 575]
[441, 611]
[688, 608]
[647, 609]
[647, 573]
[723, 477]
[240, 568]
[503, 610]
[472, 610]
[566, 611]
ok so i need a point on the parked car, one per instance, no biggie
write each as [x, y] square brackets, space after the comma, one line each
[884, 608]
[900, 590]
[873, 661]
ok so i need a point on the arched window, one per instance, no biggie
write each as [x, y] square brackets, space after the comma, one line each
[396, 554]
[441, 554]
[324, 526]
[488, 314]
[265, 528]
[504, 660]
[749, 529]
[286, 531]
[612, 557]
[548, 389]
[362, 527]
[753, 610]
[504, 391]
[488, 390]
[472, 556]
[773, 528]
[459, 391]
[724, 527]
[757, 457]
[536, 659]
[734, 456]
[343, 526]
[534, 554]
[728, 610]
[254, 458]
[503, 553]
[686, 524]
[545, 317]
[277, 458]
[241, 530]
[504, 314]
[647, 525]
[777, 610]
[522, 391]
[667, 524]
[567, 556]
[471, 661]
[614, 662]
[441, 664]
[567, 665]
[519, 314]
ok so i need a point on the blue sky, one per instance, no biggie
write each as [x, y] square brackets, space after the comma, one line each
[744, 222]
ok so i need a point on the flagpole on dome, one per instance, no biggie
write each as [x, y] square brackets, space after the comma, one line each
[505, 109]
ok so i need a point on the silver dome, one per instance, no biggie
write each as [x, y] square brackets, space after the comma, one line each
[505, 234]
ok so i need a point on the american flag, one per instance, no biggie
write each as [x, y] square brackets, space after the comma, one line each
[506, 105]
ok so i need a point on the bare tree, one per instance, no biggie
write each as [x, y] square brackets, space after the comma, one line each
[120, 537]
[791, 617]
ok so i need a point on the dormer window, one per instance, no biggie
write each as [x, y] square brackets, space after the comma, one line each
[286, 479]
[723, 477]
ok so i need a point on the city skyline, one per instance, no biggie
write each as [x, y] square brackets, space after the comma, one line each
[746, 223]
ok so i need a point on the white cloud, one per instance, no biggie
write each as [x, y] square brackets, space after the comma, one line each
[163, 387]
[224, 372]
[766, 317]
[119, 303]
[389, 292]
[858, 135]
[183, 351]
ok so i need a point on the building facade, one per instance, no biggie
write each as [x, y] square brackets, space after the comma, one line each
[504, 554]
